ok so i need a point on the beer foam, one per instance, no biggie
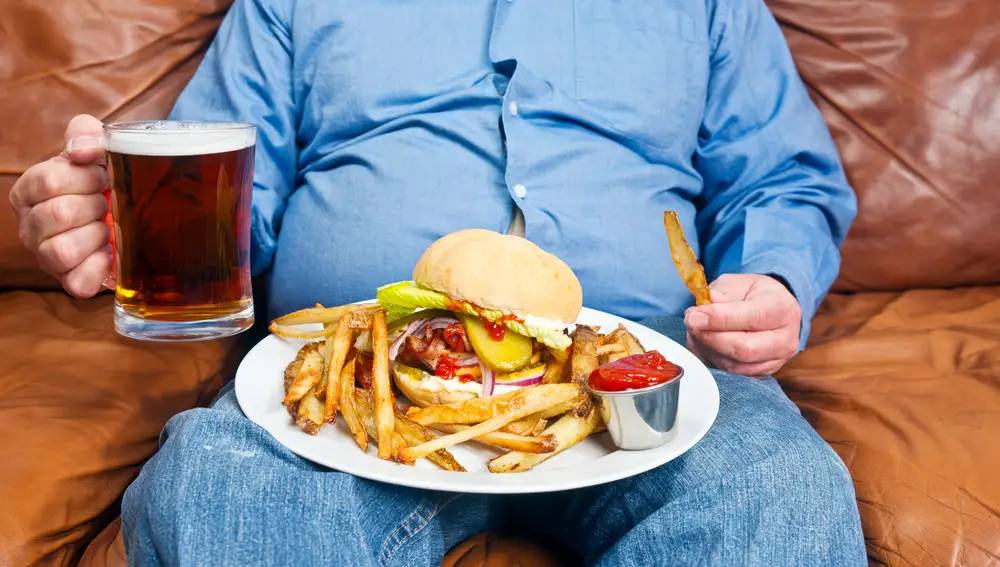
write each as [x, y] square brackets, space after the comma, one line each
[176, 138]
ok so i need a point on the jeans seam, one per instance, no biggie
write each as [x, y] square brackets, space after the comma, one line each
[386, 553]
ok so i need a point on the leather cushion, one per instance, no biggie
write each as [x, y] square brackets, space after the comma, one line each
[494, 550]
[121, 60]
[81, 409]
[906, 388]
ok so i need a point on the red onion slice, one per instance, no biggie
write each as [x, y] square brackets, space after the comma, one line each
[488, 381]
[441, 323]
[415, 326]
[465, 361]
[527, 380]
[521, 383]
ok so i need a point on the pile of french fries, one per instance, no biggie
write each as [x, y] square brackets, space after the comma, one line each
[530, 424]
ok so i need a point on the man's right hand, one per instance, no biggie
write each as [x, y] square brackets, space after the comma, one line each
[60, 208]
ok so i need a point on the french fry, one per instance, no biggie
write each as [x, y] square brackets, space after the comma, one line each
[568, 431]
[364, 406]
[540, 426]
[632, 344]
[478, 410]
[309, 416]
[531, 405]
[520, 427]
[583, 361]
[292, 370]
[414, 434]
[554, 372]
[306, 378]
[688, 267]
[286, 332]
[347, 405]
[381, 387]
[341, 344]
[320, 314]
[509, 441]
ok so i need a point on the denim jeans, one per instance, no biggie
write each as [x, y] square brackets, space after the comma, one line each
[762, 488]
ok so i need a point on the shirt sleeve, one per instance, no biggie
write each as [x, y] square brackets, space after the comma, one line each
[246, 76]
[775, 198]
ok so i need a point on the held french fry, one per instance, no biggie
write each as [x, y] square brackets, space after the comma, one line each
[341, 344]
[347, 405]
[688, 267]
[381, 387]
[530, 406]
[568, 431]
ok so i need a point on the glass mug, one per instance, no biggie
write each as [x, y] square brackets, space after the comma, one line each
[180, 209]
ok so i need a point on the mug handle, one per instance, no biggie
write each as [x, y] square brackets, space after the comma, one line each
[112, 280]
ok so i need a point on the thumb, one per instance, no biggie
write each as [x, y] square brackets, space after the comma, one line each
[85, 140]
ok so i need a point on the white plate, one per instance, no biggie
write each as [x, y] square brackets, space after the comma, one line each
[595, 460]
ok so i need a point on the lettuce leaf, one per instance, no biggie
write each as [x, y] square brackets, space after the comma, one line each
[402, 298]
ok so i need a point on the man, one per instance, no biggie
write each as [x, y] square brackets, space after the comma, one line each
[384, 125]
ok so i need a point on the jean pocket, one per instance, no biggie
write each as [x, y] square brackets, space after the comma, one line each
[634, 62]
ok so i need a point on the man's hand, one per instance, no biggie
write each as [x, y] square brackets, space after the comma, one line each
[751, 328]
[60, 209]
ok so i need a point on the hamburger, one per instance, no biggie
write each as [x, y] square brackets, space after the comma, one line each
[484, 314]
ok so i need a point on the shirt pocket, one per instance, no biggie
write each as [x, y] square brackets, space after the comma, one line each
[634, 66]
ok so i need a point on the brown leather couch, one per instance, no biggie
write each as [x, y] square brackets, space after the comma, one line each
[902, 375]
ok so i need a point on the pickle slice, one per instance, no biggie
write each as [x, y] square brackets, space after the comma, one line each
[506, 355]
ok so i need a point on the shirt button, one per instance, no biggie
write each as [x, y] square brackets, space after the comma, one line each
[513, 108]
[520, 191]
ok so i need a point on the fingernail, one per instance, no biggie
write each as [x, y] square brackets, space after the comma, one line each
[84, 143]
[697, 320]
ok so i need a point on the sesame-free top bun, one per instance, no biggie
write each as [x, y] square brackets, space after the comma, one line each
[502, 272]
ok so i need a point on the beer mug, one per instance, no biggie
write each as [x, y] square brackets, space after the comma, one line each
[180, 208]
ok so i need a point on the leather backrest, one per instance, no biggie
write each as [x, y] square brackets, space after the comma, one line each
[910, 90]
[120, 60]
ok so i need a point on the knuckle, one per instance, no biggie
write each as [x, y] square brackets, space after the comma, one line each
[790, 346]
[61, 212]
[50, 184]
[64, 251]
[743, 352]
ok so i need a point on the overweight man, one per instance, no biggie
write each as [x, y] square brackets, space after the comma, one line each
[383, 125]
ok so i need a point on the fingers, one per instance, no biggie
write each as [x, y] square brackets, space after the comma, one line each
[64, 252]
[751, 315]
[60, 214]
[750, 348]
[55, 178]
[752, 369]
[87, 279]
[84, 138]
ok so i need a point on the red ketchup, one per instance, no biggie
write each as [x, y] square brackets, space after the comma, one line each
[633, 372]
[447, 369]
[495, 330]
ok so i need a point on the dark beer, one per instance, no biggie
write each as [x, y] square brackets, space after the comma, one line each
[180, 196]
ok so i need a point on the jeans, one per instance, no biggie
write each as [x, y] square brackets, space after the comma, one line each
[762, 488]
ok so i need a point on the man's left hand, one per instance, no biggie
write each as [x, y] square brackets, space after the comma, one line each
[751, 328]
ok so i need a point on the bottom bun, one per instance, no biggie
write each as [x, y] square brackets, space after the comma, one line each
[408, 381]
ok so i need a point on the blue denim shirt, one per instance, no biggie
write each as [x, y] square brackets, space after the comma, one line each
[384, 125]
